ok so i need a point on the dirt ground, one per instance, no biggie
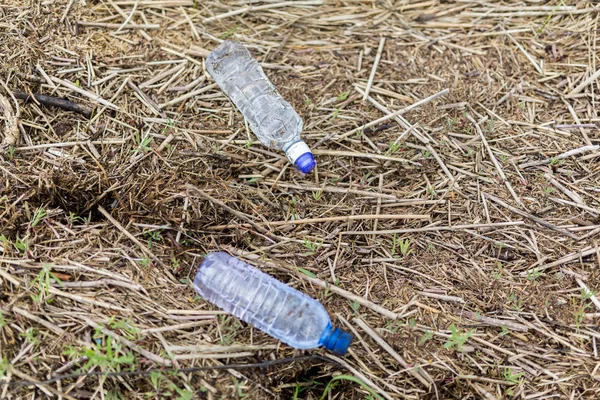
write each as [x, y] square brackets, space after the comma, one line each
[456, 239]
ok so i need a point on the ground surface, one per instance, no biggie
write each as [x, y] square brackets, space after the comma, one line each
[477, 280]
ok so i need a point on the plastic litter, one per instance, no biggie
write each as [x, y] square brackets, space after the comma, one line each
[268, 304]
[272, 119]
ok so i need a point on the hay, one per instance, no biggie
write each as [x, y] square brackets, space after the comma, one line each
[10, 128]
[456, 237]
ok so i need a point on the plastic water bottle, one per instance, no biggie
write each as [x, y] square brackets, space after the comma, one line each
[268, 304]
[272, 119]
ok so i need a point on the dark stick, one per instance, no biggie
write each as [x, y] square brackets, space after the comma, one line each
[55, 102]
[263, 364]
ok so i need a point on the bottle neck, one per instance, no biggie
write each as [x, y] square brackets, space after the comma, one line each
[335, 340]
[295, 150]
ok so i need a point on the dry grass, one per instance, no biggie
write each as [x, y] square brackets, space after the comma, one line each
[476, 281]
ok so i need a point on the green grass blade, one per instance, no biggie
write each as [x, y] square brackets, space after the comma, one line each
[352, 379]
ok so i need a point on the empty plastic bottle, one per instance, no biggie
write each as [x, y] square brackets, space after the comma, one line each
[272, 119]
[268, 304]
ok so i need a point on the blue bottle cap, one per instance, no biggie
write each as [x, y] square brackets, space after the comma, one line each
[337, 341]
[305, 163]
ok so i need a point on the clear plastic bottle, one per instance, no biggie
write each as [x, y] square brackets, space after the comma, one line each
[268, 304]
[272, 119]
